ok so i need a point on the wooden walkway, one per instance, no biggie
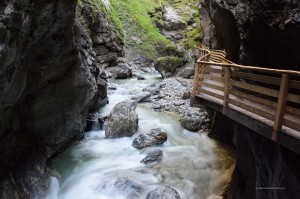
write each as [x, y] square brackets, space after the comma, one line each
[268, 96]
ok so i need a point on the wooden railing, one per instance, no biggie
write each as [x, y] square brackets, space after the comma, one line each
[269, 93]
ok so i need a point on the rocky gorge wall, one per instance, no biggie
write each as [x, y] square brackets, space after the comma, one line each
[50, 78]
[264, 169]
[256, 32]
[259, 33]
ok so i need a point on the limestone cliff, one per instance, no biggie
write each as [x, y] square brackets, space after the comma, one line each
[264, 169]
[49, 80]
[254, 32]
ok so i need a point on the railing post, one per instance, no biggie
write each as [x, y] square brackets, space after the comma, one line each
[226, 89]
[195, 83]
[281, 104]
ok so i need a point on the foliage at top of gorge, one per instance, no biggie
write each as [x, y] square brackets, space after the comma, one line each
[143, 24]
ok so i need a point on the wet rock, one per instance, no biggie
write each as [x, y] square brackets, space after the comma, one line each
[112, 87]
[94, 122]
[152, 156]
[152, 89]
[179, 103]
[129, 188]
[139, 77]
[154, 137]
[163, 192]
[167, 66]
[186, 95]
[191, 123]
[172, 50]
[122, 121]
[141, 96]
[156, 106]
[123, 73]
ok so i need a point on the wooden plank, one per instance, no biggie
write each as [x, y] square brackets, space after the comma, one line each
[226, 89]
[282, 99]
[292, 110]
[255, 88]
[212, 70]
[291, 124]
[216, 60]
[213, 86]
[293, 98]
[264, 102]
[295, 84]
[253, 98]
[255, 77]
[217, 79]
[256, 110]
[213, 94]
[220, 52]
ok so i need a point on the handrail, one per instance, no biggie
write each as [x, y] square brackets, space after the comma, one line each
[262, 69]
[220, 78]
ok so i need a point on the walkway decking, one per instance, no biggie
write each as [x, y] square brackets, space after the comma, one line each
[265, 100]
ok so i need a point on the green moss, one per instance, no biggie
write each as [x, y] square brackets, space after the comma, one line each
[138, 24]
[111, 13]
[169, 63]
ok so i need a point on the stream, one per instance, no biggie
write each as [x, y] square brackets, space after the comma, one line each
[195, 165]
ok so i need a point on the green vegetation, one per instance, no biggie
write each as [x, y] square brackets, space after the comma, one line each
[111, 13]
[141, 22]
[192, 38]
[169, 63]
[141, 33]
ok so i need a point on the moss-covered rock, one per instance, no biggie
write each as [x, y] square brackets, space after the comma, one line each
[167, 66]
[172, 50]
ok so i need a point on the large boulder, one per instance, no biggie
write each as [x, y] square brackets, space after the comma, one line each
[172, 50]
[123, 73]
[123, 120]
[154, 137]
[191, 123]
[163, 192]
[167, 66]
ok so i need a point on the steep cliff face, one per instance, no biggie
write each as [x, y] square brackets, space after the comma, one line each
[264, 169]
[50, 79]
[256, 32]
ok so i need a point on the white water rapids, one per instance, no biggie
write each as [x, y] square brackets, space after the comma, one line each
[195, 165]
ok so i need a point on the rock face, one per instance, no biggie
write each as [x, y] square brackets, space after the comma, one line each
[154, 137]
[261, 163]
[50, 79]
[155, 155]
[163, 192]
[264, 169]
[256, 32]
[107, 38]
[122, 121]
[167, 66]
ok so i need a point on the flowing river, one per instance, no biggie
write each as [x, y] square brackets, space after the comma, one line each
[195, 165]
